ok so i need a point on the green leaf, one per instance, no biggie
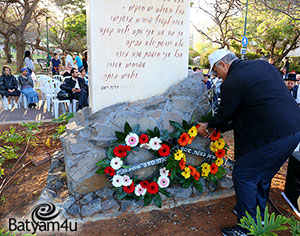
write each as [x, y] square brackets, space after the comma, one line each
[127, 128]
[137, 129]
[100, 171]
[156, 132]
[121, 136]
[150, 133]
[173, 173]
[103, 162]
[147, 199]
[166, 193]
[198, 185]
[219, 175]
[176, 125]
[157, 200]
[187, 183]
[122, 195]
[185, 125]
[110, 153]
[165, 135]
[176, 134]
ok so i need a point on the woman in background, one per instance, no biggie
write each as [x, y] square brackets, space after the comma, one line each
[26, 84]
[28, 62]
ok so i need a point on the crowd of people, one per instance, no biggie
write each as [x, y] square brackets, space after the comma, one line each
[73, 69]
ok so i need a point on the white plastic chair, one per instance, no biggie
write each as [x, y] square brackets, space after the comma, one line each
[58, 77]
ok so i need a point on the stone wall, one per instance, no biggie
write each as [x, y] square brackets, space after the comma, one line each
[88, 135]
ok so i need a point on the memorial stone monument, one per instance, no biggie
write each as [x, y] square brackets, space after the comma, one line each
[138, 60]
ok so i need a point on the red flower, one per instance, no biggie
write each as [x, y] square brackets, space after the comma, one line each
[182, 164]
[121, 150]
[144, 184]
[184, 139]
[197, 126]
[214, 168]
[197, 176]
[215, 136]
[164, 151]
[152, 188]
[144, 138]
[129, 189]
[220, 153]
[110, 171]
[127, 148]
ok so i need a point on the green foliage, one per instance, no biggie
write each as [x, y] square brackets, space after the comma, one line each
[7, 153]
[204, 62]
[64, 118]
[3, 232]
[295, 67]
[59, 131]
[271, 223]
[31, 130]
[193, 53]
[294, 226]
[12, 136]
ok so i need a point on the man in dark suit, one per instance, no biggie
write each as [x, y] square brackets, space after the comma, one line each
[256, 104]
[290, 82]
[76, 88]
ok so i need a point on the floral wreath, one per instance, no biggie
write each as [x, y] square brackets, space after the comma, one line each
[186, 175]
[133, 188]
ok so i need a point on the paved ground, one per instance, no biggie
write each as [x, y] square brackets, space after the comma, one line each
[18, 115]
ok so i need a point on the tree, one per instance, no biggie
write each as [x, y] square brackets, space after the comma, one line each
[221, 12]
[16, 14]
[291, 8]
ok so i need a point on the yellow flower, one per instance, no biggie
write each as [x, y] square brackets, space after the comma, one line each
[219, 161]
[204, 174]
[193, 132]
[205, 167]
[220, 143]
[213, 147]
[179, 155]
[186, 173]
[48, 142]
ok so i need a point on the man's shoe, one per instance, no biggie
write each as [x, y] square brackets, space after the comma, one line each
[234, 231]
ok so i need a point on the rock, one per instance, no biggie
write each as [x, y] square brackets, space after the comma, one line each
[87, 198]
[41, 160]
[93, 207]
[180, 192]
[226, 183]
[110, 204]
[74, 210]
[47, 195]
[104, 193]
[68, 202]
[125, 205]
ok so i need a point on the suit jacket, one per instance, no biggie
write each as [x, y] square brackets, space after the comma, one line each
[8, 82]
[69, 83]
[256, 103]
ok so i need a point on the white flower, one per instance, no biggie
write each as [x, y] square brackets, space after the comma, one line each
[126, 181]
[155, 143]
[117, 181]
[116, 163]
[164, 172]
[163, 181]
[139, 190]
[132, 139]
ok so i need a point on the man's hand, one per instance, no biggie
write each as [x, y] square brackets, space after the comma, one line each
[202, 130]
[76, 90]
[201, 127]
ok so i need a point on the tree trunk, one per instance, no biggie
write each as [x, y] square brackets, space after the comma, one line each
[6, 50]
[20, 47]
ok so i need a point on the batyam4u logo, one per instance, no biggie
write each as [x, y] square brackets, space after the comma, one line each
[44, 218]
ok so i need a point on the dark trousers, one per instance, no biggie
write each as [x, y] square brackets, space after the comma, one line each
[82, 98]
[253, 172]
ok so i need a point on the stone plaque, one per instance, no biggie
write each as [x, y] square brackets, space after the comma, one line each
[137, 49]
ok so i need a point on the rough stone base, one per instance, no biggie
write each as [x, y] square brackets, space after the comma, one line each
[101, 204]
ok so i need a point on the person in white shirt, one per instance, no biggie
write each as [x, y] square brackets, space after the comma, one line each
[68, 60]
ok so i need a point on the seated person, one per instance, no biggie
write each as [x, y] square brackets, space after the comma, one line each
[197, 69]
[290, 82]
[26, 84]
[9, 87]
[84, 76]
[67, 72]
[76, 88]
